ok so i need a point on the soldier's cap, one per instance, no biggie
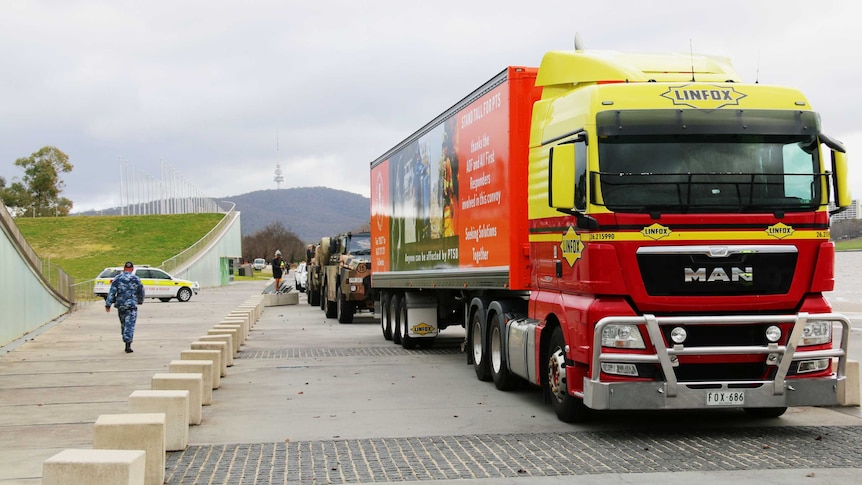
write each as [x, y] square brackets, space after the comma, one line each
[128, 265]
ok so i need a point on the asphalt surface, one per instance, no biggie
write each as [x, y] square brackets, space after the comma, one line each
[309, 400]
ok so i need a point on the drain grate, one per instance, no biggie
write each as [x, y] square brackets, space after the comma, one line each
[518, 455]
[391, 350]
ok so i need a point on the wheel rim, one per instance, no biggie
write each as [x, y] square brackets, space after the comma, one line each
[476, 337]
[556, 373]
[384, 315]
[496, 350]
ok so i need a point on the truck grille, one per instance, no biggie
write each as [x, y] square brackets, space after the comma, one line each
[678, 273]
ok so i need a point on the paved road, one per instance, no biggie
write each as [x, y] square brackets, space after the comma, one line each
[312, 401]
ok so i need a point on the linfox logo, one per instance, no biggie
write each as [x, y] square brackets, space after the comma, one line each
[571, 246]
[656, 231]
[780, 230]
[703, 96]
[694, 275]
[422, 329]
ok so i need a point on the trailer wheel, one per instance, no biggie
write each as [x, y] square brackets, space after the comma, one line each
[569, 409]
[395, 318]
[503, 379]
[331, 306]
[407, 341]
[764, 413]
[385, 316]
[345, 308]
[480, 357]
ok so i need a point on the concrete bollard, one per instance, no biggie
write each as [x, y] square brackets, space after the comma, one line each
[144, 431]
[232, 332]
[281, 299]
[213, 355]
[192, 382]
[86, 467]
[850, 394]
[219, 346]
[253, 309]
[232, 326]
[202, 367]
[241, 321]
[227, 340]
[175, 405]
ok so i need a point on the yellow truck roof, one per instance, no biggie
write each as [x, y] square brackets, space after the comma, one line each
[575, 67]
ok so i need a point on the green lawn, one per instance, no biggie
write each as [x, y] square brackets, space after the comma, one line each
[849, 244]
[84, 245]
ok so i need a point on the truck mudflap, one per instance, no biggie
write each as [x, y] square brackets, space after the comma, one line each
[673, 394]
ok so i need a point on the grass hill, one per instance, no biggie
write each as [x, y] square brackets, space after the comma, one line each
[83, 246]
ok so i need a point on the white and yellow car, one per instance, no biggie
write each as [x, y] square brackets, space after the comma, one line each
[157, 284]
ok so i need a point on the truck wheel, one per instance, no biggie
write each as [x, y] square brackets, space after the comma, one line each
[764, 413]
[345, 308]
[503, 379]
[395, 318]
[480, 357]
[407, 341]
[313, 295]
[322, 299]
[569, 409]
[385, 320]
[331, 306]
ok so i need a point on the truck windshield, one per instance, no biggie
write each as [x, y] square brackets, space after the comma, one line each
[359, 244]
[674, 170]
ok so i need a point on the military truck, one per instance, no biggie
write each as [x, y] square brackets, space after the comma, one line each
[342, 276]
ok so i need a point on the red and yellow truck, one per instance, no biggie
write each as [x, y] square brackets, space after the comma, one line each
[625, 231]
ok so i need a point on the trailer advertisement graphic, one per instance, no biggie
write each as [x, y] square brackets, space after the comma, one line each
[437, 202]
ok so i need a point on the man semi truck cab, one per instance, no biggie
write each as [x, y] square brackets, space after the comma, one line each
[625, 231]
[691, 223]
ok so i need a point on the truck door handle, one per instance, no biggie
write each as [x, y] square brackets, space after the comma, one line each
[559, 264]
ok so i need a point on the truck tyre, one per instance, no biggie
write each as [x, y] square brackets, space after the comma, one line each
[345, 308]
[498, 362]
[569, 409]
[764, 413]
[331, 307]
[322, 299]
[395, 318]
[313, 296]
[407, 341]
[480, 356]
[385, 316]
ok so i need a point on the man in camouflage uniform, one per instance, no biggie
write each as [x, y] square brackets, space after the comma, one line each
[126, 294]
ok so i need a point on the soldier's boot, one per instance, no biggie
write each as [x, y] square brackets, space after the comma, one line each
[129, 348]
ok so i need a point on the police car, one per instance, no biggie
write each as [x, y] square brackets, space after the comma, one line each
[157, 283]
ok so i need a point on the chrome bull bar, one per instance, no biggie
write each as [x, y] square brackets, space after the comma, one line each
[671, 394]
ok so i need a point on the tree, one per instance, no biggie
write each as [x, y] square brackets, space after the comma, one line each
[265, 242]
[38, 192]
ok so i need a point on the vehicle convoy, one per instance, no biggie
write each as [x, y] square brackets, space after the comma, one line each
[157, 283]
[340, 274]
[625, 231]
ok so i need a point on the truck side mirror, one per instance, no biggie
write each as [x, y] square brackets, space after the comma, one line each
[567, 184]
[839, 179]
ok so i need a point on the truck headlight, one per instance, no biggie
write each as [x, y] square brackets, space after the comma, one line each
[816, 333]
[619, 369]
[812, 365]
[622, 336]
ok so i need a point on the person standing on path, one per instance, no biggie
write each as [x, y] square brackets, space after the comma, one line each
[277, 271]
[126, 293]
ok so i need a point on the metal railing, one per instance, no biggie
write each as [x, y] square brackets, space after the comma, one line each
[170, 265]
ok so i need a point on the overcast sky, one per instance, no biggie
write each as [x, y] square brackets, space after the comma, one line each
[206, 87]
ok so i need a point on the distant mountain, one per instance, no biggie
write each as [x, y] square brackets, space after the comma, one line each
[308, 212]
